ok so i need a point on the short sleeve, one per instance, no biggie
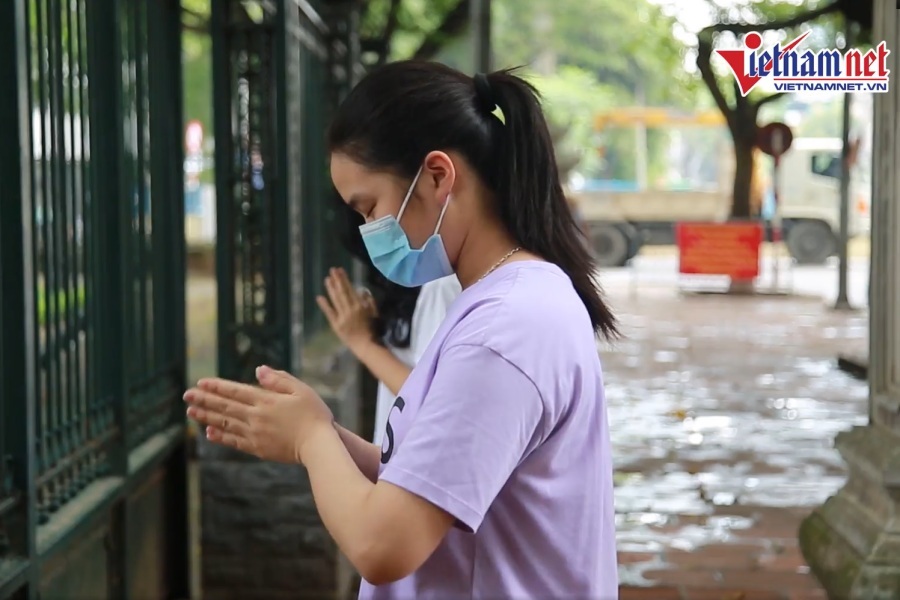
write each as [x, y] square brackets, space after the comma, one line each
[480, 417]
[431, 309]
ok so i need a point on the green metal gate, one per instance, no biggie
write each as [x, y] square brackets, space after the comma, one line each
[92, 360]
[279, 67]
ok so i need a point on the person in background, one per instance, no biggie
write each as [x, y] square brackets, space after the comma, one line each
[389, 331]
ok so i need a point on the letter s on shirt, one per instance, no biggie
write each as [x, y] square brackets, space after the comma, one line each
[387, 445]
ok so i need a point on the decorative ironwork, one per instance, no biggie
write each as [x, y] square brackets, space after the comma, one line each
[92, 356]
[251, 328]
[152, 367]
[271, 67]
[74, 424]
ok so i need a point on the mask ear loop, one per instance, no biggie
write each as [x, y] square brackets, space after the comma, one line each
[441, 217]
[409, 193]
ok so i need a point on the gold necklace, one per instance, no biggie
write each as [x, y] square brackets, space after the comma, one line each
[499, 262]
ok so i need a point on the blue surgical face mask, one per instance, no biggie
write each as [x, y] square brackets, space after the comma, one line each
[391, 254]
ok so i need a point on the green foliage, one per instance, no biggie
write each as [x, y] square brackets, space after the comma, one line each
[821, 119]
[197, 67]
[61, 305]
[607, 53]
[596, 55]
[415, 20]
[571, 97]
[196, 53]
[626, 45]
[196, 49]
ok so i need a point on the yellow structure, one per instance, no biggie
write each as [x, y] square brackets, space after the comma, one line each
[656, 117]
[646, 117]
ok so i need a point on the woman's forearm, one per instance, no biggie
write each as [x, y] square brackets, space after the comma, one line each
[385, 531]
[365, 454]
[341, 492]
[383, 365]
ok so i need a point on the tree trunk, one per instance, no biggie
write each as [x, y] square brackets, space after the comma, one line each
[741, 205]
[744, 135]
[743, 132]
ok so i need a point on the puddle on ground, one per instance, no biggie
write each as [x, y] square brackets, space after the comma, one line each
[722, 406]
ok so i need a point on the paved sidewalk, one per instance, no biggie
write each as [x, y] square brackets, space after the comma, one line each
[724, 410]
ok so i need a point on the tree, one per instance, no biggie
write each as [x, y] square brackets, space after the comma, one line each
[392, 29]
[627, 46]
[570, 97]
[741, 113]
[415, 27]
[197, 62]
[591, 55]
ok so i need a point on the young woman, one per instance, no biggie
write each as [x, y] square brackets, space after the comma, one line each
[495, 476]
[387, 332]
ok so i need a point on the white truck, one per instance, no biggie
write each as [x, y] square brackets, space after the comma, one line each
[621, 221]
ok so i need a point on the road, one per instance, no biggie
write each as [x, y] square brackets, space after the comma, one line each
[660, 270]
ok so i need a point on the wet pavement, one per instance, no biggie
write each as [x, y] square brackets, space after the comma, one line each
[723, 412]
[658, 267]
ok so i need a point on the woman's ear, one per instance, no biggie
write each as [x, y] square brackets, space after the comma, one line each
[440, 173]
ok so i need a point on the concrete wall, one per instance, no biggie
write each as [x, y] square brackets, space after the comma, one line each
[260, 534]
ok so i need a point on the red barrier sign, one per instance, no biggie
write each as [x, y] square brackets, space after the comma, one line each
[730, 249]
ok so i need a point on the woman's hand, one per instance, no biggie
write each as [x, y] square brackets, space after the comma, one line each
[273, 422]
[348, 311]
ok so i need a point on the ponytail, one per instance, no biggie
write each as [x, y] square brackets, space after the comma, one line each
[527, 183]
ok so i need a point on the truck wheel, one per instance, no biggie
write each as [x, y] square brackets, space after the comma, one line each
[611, 245]
[811, 242]
[635, 237]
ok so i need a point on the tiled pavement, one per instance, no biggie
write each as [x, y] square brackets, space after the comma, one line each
[723, 412]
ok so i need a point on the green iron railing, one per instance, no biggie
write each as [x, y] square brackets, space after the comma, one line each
[249, 257]
[276, 235]
[312, 66]
[92, 360]
[73, 425]
[151, 365]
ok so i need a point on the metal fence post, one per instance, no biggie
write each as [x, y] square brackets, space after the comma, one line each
[166, 119]
[224, 158]
[842, 302]
[18, 512]
[111, 214]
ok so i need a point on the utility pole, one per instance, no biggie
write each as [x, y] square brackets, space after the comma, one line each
[480, 20]
[843, 302]
[640, 141]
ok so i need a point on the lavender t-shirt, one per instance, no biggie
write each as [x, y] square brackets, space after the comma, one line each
[502, 423]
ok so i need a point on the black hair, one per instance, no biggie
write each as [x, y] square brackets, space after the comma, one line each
[395, 303]
[400, 112]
